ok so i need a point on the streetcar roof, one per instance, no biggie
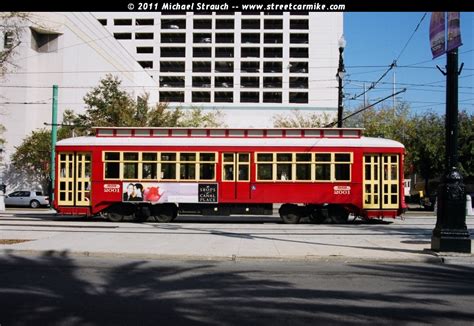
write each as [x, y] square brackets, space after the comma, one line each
[229, 142]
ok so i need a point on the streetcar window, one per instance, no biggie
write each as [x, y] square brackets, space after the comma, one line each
[264, 172]
[284, 169]
[303, 171]
[323, 171]
[342, 167]
[112, 170]
[112, 156]
[168, 171]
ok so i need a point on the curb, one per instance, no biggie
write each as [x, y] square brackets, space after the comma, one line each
[234, 258]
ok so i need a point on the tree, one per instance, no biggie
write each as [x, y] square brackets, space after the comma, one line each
[297, 119]
[109, 105]
[425, 146]
[33, 155]
[11, 27]
[466, 144]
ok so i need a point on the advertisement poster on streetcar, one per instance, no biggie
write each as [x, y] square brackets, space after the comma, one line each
[156, 192]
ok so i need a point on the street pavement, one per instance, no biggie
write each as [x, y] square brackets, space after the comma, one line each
[223, 238]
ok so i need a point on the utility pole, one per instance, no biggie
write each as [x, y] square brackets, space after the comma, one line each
[450, 233]
[340, 76]
[54, 131]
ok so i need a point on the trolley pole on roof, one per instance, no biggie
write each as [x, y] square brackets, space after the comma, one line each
[450, 233]
[54, 130]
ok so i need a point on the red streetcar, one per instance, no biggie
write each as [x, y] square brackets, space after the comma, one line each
[324, 174]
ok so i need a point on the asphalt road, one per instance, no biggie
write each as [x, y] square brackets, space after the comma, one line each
[63, 290]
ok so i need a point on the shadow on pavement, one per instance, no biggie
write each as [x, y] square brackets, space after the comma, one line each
[54, 289]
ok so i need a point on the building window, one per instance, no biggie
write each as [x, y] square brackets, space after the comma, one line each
[298, 82]
[171, 81]
[123, 36]
[144, 36]
[173, 24]
[249, 82]
[172, 66]
[272, 82]
[122, 22]
[144, 49]
[224, 97]
[145, 22]
[202, 38]
[224, 66]
[272, 97]
[250, 38]
[299, 38]
[249, 97]
[103, 22]
[298, 67]
[171, 96]
[273, 52]
[224, 52]
[298, 97]
[224, 24]
[202, 24]
[225, 38]
[202, 81]
[173, 52]
[273, 23]
[299, 24]
[273, 38]
[272, 67]
[202, 52]
[173, 38]
[250, 53]
[201, 97]
[225, 82]
[146, 64]
[250, 23]
[299, 53]
[201, 66]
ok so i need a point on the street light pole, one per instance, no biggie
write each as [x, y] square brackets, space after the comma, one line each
[450, 233]
[340, 76]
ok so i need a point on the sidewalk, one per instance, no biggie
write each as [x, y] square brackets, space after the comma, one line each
[199, 238]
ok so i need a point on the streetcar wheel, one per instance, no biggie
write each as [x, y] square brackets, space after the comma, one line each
[115, 217]
[338, 214]
[290, 214]
[34, 204]
[165, 213]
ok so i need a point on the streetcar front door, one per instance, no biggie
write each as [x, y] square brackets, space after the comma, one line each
[381, 181]
[235, 183]
[74, 179]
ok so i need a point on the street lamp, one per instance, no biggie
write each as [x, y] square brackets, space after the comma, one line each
[340, 76]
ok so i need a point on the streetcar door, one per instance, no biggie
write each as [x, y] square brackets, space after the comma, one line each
[74, 179]
[235, 176]
[381, 181]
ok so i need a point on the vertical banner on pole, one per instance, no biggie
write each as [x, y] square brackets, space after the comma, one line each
[437, 34]
[454, 31]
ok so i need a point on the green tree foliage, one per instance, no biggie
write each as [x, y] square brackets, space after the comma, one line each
[425, 146]
[297, 119]
[386, 122]
[466, 144]
[33, 155]
[109, 105]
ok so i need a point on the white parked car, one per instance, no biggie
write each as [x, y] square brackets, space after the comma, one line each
[33, 199]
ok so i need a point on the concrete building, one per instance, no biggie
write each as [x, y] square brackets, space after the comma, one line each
[250, 66]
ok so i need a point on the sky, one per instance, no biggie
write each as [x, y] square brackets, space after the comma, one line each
[374, 40]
